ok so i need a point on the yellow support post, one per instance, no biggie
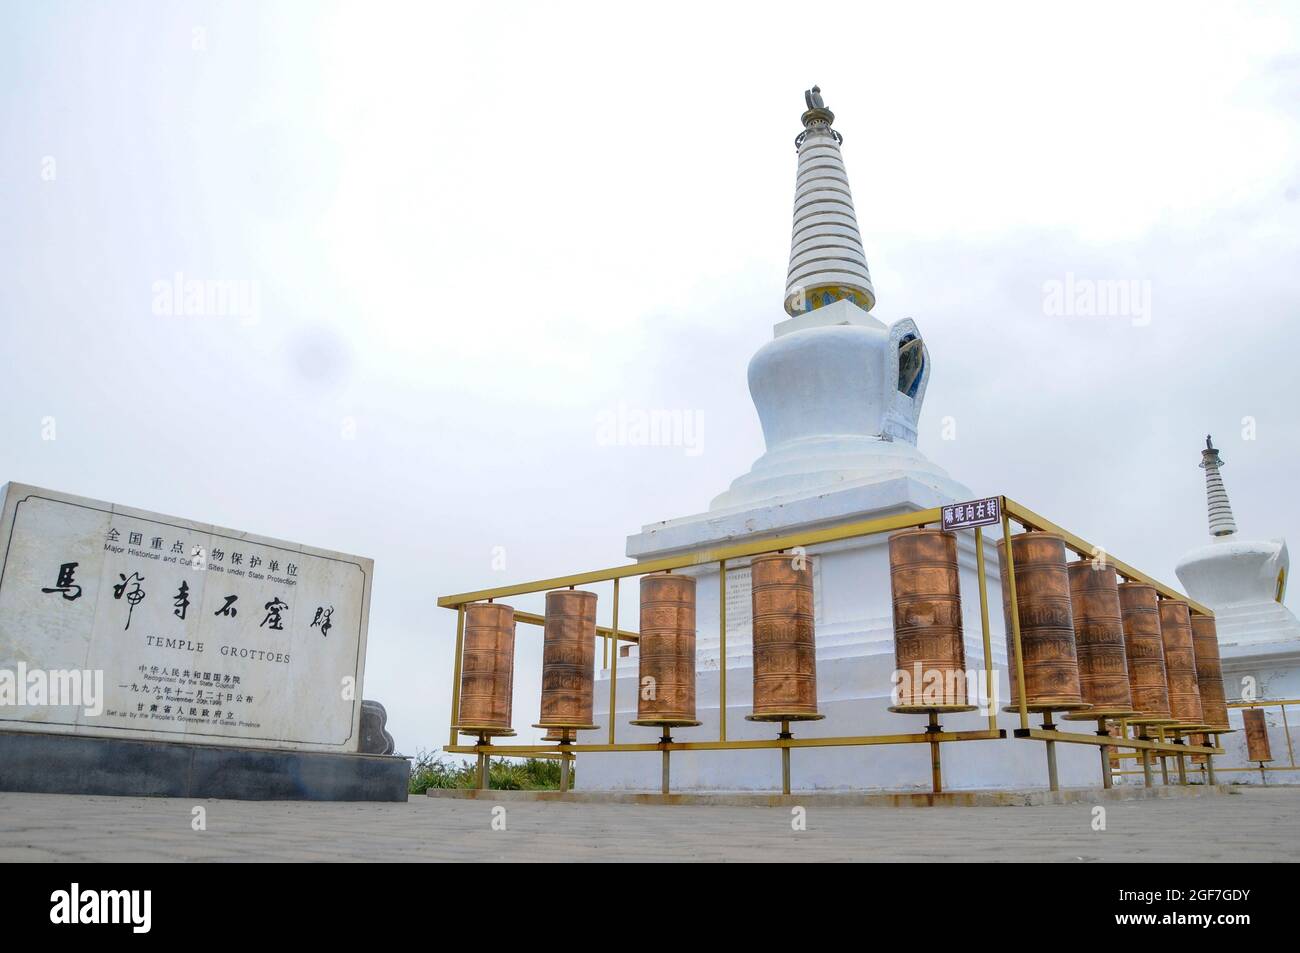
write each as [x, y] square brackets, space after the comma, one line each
[1015, 617]
[722, 650]
[613, 666]
[1286, 727]
[455, 677]
[981, 571]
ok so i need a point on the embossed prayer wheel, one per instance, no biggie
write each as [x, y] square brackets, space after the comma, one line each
[1099, 640]
[1046, 624]
[785, 653]
[568, 660]
[1209, 671]
[1257, 746]
[666, 651]
[1180, 662]
[1139, 606]
[487, 670]
[929, 652]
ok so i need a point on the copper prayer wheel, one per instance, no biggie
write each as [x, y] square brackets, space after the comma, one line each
[666, 651]
[1099, 640]
[1139, 606]
[1180, 662]
[1046, 624]
[929, 651]
[487, 670]
[785, 654]
[1257, 746]
[1209, 671]
[569, 660]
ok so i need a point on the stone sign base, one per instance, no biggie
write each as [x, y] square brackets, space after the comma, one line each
[73, 764]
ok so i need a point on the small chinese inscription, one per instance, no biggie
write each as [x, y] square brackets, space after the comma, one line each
[975, 513]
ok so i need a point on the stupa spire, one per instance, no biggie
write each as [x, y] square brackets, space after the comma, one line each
[827, 261]
[1221, 521]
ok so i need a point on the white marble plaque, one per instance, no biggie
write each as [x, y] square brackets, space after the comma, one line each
[202, 634]
[740, 604]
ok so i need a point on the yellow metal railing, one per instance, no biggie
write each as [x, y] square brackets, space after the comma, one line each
[612, 635]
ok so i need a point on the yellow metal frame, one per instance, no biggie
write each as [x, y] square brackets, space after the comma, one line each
[722, 555]
[1142, 747]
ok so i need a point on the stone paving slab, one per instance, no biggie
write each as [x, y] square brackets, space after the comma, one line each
[1255, 824]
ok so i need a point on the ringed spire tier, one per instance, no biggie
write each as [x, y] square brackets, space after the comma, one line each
[1216, 495]
[827, 261]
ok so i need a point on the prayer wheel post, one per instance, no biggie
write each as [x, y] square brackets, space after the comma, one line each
[1209, 680]
[1180, 672]
[1258, 748]
[1144, 650]
[666, 673]
[785, 651]
[568, 670]
[929, 647]
[1099, 644]
[487, 671]
[1036, 602]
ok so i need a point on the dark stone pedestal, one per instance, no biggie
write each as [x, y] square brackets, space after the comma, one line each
[78, 764]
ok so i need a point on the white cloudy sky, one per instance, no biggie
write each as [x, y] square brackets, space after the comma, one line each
[475, 229]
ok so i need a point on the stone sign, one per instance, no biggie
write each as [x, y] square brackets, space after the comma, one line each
[171, 630]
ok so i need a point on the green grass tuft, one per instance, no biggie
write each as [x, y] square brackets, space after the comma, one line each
[431, 772]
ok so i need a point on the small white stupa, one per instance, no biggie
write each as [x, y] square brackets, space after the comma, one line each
[1244, 582]
[839, 393]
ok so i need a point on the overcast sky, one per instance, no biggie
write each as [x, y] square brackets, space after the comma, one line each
[472, 230]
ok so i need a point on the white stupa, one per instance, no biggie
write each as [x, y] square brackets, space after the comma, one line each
[839, 393]
[838, 390]
[1244, 582]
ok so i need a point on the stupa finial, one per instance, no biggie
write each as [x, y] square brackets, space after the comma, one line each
[827, 261]
[1221, 521]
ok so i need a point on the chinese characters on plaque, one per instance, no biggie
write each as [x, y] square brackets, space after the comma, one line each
[202, 634]
[975, 513]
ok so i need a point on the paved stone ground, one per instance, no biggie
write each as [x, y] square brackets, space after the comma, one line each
[1255, 825]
